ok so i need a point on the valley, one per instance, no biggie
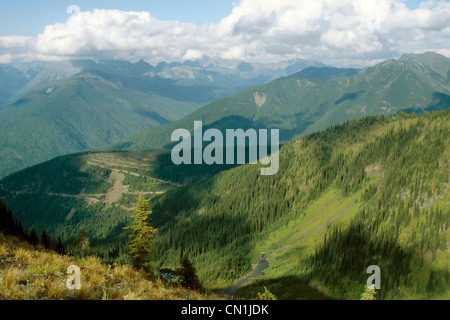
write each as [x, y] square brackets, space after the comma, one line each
[315, 99]
[363, 178]
[49, 109]
[369, 172]
[256, 154]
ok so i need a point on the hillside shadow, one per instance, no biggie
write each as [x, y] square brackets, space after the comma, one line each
[184, 174]
[230, 122]
[152, 115]
[287, 135]
[348, 96]
[440, 101]
[284, 288]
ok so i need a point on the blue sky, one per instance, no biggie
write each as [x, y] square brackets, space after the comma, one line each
[341, 33]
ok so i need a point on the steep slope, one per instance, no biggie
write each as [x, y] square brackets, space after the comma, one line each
[317, 98]
[371, 192]
[33, 269]
[374, 191]
[12, 80]
[94, 191]
[32, 273]
[88, 110]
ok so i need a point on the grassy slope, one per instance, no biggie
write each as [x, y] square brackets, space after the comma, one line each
[32, 273]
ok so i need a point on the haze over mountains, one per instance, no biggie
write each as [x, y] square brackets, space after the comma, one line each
[317, 98]
[224, 76]
[70, 106]
[51, 109]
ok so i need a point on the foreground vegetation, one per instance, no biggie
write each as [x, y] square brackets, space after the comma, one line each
[28, 272]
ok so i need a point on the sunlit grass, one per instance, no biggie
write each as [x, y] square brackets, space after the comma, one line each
[29, 274]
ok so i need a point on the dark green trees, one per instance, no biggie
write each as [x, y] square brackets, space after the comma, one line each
[45, 240]
[34, 239]
[142, 235]
[60, 247]
[187, 274]
[9, 225]
[83, 242]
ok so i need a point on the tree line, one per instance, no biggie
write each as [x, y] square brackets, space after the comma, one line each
[12, 227]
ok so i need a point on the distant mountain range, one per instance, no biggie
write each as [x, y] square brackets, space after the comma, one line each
[200, 81]
[317, 98]
[65, 107]
[52, 109]
[82, 112]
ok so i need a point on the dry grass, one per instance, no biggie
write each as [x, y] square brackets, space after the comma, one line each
[3, 250]
[27, 273]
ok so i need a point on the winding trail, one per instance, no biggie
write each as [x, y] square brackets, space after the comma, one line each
[101, 165]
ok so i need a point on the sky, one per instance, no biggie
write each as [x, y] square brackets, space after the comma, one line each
[336, 32]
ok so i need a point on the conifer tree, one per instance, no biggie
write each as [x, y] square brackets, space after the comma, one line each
[187, 273]
[59, 247]
[267, 295]
[45, 240]
[142, 235]
[6, 219]
[34, 239]
[83, 241]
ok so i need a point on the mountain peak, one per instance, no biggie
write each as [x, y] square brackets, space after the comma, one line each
[327, 73]
[426, 57]
[436, 62]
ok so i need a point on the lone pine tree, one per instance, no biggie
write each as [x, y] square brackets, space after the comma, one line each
[187, 273]
[83, 241]
[45, 240]
[141, 237]
[34, 239]
[60, 247]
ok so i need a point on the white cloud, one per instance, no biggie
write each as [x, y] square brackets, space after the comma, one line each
[6, 58]
[336, 32]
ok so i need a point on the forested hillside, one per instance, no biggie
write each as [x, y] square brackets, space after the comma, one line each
[370, 192]
[317, 98]
[32, 268]
[48, 109]
[85, 111]
[373, 191]
[93, 191]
